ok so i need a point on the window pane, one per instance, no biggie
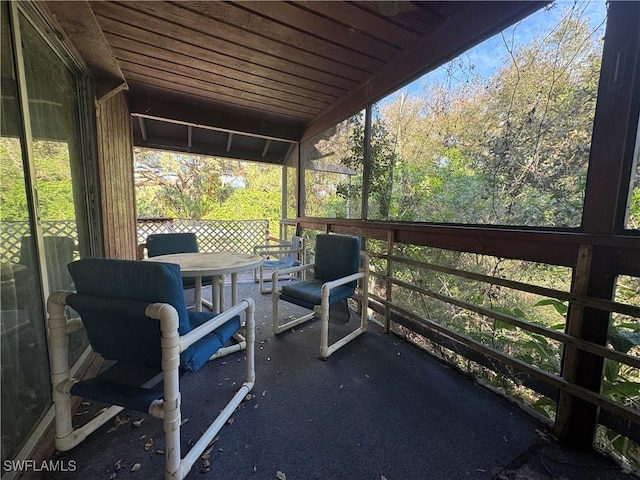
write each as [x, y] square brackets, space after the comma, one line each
[332, 164]
[500, 135]
[57, 160]
[24, 384]
[633, 207]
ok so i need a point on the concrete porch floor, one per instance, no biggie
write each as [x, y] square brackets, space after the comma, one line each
[378, 409]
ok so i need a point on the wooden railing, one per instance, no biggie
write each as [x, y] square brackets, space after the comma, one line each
[394, 301]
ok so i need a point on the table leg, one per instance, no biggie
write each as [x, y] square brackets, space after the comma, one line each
[234, 288]
[198, 293]
[222, 293]
[215, 293]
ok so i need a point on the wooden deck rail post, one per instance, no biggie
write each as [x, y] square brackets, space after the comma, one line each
[567, 423]
[389, 285]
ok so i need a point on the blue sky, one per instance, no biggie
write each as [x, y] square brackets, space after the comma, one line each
[491, 54]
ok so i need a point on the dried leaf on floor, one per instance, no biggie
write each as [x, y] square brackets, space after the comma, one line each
[210, 446]
[248, 397]
[112, 476]
[137, 423]
[148, 444]
[280, 475]
[118, 464]
[136, 467]
[117, 423]
[230, 421]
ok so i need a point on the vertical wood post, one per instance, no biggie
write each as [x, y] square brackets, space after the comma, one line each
[566, 425]
[366, 167]
[389, 284]
[608, 184]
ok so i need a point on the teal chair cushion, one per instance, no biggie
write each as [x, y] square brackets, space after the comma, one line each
[170, 243]
[336, 256]
[167, 243]
[308, 293]
[112, 296]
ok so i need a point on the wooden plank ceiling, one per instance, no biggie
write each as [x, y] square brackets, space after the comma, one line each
[202, 75]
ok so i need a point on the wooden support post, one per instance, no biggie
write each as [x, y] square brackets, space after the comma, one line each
[389, 285]
[567, 426]
[366, 168]
[611, 161]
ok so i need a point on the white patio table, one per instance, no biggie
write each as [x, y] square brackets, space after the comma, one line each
[215, 265]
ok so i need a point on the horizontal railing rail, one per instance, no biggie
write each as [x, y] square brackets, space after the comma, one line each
[398, 302]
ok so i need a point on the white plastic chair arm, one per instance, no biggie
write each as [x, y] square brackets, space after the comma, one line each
[267, 251]
[271, 245]
[341, 281]
[210, 325]
[299, 268]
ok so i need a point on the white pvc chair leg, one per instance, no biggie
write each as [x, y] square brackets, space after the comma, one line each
[169, 409]
[66, 436]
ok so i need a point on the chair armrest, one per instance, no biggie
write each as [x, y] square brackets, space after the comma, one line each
[210, 325]
[270, 246]
[58, 340]
[299, 268]
[268, 251]
[343, 280]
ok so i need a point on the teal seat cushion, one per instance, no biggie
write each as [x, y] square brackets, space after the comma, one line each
[170, 243]
[167, 243]
[201, 351]
[112, 297]
[308, 293]
[337, 256]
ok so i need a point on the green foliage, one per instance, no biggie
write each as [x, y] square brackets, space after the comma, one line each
[52, 179]
[13, 198]
[383, 160]
[511, 149]
[559, 306]
[198, 187]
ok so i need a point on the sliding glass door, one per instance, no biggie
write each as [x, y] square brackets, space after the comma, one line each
[44, 215]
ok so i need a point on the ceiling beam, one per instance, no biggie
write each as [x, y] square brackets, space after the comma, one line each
[470, 26]
[79, 25]
[199, 148]
[201, 114]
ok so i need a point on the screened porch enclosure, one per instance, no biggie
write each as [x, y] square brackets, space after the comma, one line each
[502, 230]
